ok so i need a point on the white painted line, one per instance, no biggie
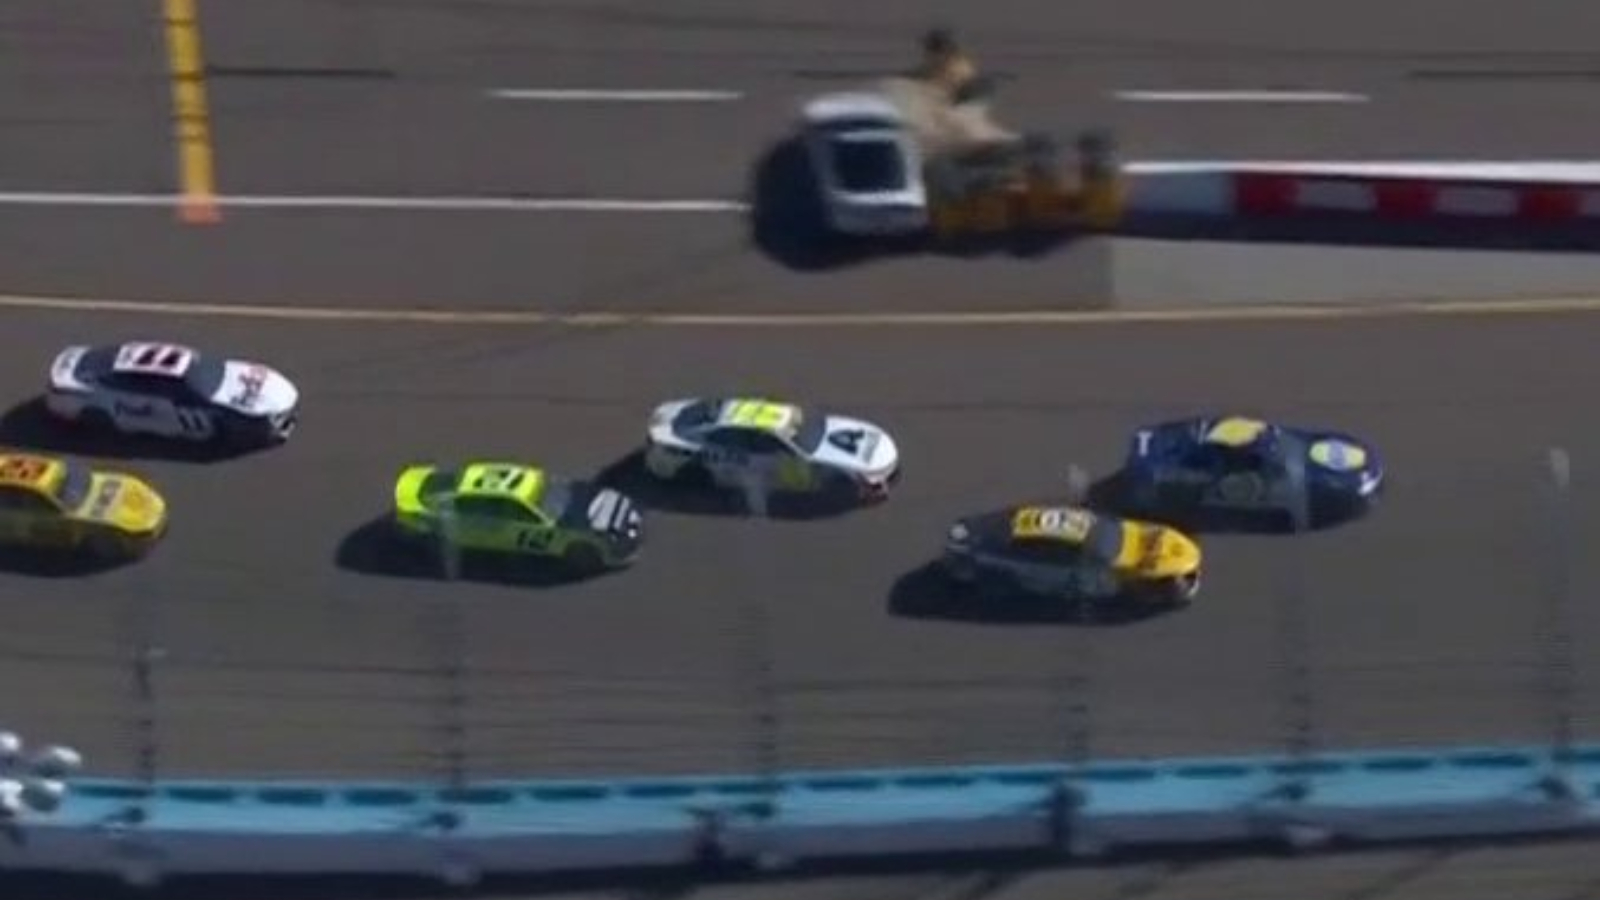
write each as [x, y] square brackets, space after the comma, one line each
[1148, 96]
[359, 202]
[604, 95]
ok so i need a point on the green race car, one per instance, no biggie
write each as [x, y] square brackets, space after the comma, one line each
[518, 510]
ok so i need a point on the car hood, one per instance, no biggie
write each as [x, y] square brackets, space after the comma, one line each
[124, 502]
[856, 445]
[255, 389]
[1156, 551]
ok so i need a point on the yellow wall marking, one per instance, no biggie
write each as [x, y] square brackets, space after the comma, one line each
[191, 115]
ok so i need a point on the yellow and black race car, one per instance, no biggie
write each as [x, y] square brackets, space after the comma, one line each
[52, 503]
[512, 509]
[1071, 554]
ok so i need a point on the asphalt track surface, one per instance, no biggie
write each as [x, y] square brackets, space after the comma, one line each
[288, 650]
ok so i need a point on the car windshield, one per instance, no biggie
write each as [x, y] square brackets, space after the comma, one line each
[867, 165]
[697, 415]
[205, 375]
[555, 497]
[1105, 539]
[813, 428]
[74, 487]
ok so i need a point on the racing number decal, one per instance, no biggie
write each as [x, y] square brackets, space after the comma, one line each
[535, 539]
[25, 469]
[193, 421]
[849, 441]
[757, 414]
[1066, 524]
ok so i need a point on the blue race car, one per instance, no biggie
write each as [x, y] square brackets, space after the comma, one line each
[1242, 465]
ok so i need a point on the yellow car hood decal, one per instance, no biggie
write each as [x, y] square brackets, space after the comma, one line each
[1155, 551]
[123, 502]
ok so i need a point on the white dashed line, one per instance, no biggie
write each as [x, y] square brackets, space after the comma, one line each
[603, 95]
[1149, 96]
[401, 204]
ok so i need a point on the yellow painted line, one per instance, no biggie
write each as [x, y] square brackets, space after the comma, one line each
[961, 319]
[191, 114]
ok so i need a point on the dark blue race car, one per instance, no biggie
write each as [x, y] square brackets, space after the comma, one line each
[1242, 465]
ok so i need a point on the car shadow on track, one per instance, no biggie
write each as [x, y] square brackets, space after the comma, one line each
[629, 476]
[925, 593]
[373, 548]
[786, 224]
[1110, 495]
[59, 564]
[29, 426]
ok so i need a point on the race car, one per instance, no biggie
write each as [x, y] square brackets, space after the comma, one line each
[866, 166]
[1071, 554]
[776, 446]
[53, 503]
[171, 391]
[1243, 464]
[514, 509]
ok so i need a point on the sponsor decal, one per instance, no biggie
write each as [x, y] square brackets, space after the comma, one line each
[252, 381]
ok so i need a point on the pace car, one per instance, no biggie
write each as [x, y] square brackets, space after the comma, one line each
[777, 446]
[1071, 554]
[514, 509]
[1244, 464]
[866, 166]
[171, 391]
[54, 503]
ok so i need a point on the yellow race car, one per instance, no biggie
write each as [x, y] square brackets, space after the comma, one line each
[53, 503]
[1071, 554]
[513, 509]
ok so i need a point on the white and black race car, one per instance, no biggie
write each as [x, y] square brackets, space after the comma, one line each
[780, 447]
[171, 391]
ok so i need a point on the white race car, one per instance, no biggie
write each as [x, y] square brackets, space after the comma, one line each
[770, 445]
[868, 169]
[171, 391]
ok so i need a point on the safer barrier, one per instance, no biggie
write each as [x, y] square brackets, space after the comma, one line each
[1552, 193]
[307, 828]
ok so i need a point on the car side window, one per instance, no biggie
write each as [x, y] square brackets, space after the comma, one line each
[496, 508]
[149, 386]
[1046, 552]
[746, 441]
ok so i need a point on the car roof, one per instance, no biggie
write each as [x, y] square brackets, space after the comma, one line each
[1058, 524]
[757, 414]
[514, 481]
[153, 358]
[1235, 431]
[841, 107]
[30, 471]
